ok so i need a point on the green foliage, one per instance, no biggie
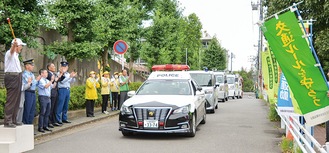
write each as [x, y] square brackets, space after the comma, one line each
[71, 50]
[287, 145]
[273, 115]
[248, 82]
[77, 98]
[135, 85]
[26, 17]
[310, 9]
[2, 102]
[214, 57]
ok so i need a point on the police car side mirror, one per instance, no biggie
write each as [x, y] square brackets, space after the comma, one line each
[199, 88]
[199, 93]
[217, 84]
[131, 93]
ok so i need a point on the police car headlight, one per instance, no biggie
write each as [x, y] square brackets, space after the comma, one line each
[125, 110]
[182, 110]
[208, 91]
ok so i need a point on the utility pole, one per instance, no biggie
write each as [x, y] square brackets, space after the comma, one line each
[186, 56]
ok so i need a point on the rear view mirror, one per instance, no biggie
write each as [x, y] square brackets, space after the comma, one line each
[217, 84]
[131, 93]
[199, 88]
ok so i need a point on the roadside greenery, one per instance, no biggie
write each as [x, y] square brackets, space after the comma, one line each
[288, 146]
[273, 114]
[248, 82]
[77, 97]
[310, 9]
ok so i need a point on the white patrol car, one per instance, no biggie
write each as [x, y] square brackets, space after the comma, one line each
[223, 87]
[167, 102]
[206, 80]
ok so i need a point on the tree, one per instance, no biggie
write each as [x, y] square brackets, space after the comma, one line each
[192, 40]
[214, 56]
[310, 9]
[165, 37]
[248, 83]
[26, 17]
[71, 17]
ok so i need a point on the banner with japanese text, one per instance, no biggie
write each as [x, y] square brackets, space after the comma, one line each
[285, 99]
[265, 71]
[296, 61]
[276, 76]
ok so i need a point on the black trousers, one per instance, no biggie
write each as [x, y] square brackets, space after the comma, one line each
[90, 107]
[123, 98]
[105, 99]
[115, 99]
[52, 116]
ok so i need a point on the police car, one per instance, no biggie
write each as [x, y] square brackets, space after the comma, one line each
[207, 80]
[167, 102]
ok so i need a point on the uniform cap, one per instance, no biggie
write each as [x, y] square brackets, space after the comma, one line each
[115, 73]
[64, 63]
[92, 72]
[29, 61]
[106, 72]
[19, 42]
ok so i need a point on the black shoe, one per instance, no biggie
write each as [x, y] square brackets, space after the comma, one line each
[66, 121]
[41, 130]
[9, 125]
[47, 129]
[18, 124]
[60, 123]
[50, 126]
[56, 124]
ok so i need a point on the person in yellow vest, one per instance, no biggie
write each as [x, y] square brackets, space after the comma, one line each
[105, 91]
[115, 90]
[91, 93]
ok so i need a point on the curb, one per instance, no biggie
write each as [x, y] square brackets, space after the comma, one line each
[75, 123]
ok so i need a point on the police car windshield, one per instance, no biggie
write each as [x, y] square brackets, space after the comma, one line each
[203, 79]
[230, 80]
[165, 87]
[219, 79]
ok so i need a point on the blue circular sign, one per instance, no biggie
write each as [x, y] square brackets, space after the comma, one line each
[120, 47]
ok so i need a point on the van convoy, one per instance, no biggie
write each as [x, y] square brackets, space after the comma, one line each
[175, 100]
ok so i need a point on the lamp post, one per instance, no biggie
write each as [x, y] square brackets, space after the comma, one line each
[258, 6]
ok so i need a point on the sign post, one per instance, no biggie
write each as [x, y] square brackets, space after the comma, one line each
[120, 47]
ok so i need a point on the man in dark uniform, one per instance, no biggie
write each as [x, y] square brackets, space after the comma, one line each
[30, 97]
[13, 83]
[54, 93]
[64, 85]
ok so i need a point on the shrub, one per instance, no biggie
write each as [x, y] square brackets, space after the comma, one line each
[2, 102]
[135, 85]
[272, 114]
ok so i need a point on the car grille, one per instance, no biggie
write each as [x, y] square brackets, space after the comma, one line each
[151, 113]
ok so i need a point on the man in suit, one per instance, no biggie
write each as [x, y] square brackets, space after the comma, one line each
[54, 95]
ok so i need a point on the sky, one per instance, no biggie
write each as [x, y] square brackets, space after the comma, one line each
[233, 23]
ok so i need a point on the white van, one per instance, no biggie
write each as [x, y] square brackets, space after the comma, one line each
[221, 78]
[232, 88]
[239, 84]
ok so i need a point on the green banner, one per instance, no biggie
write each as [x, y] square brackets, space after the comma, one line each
[295, 58]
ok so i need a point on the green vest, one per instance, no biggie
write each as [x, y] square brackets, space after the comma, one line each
[124, 87]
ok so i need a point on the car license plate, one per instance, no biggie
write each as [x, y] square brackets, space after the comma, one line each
[151, 124]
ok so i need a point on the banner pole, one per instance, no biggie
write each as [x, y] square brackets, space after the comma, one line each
[317, 61]
[273, 15]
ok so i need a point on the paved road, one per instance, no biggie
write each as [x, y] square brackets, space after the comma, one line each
[237, 126]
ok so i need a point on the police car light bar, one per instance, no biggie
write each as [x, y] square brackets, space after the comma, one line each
[170, 67]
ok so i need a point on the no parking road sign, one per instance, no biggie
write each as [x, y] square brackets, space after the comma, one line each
[120, 47]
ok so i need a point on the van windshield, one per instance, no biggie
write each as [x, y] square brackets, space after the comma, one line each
[219, 78]
[203, 79]
[165, 87]
[230, 80]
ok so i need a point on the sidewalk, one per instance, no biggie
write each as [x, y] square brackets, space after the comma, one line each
[320, 134]
[78, 118]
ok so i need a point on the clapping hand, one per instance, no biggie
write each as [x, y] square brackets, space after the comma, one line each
[29, 80]
[38, 78]
[73, 74]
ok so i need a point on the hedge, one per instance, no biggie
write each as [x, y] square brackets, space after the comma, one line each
[77, 97]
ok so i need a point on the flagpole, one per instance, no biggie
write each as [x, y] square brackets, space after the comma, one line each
[284, 10]
[318, 64]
